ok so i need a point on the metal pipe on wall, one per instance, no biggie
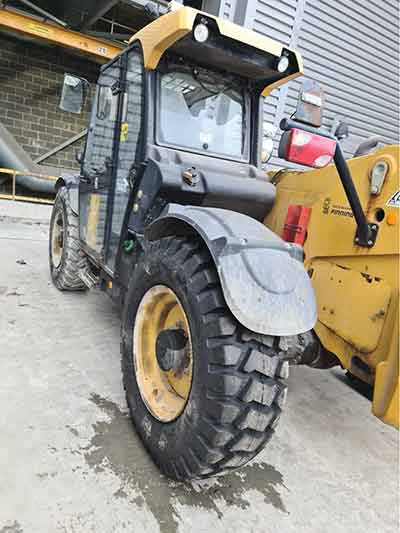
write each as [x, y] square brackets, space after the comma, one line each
[12, 155]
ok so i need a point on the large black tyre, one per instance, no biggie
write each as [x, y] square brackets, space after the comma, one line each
[65, 256]
[236, 394]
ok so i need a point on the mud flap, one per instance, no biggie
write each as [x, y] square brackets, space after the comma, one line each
[263, 278]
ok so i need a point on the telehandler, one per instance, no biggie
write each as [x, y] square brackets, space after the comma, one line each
[167, 216]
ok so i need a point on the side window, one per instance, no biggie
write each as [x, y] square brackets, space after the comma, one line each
[130, 146]
[99, 143]
[107, 103]
[132, 121]
[98, 156]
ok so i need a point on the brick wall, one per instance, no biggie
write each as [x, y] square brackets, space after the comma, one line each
[31, 78]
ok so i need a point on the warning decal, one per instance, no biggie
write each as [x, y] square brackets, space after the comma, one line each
[394, 201]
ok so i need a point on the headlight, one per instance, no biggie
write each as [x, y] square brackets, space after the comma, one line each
[283, 64]
[201, 33]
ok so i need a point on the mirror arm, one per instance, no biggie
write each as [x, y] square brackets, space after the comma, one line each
[366, 233]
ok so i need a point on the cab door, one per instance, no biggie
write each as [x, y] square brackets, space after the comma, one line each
[130, 153]
[98, 168]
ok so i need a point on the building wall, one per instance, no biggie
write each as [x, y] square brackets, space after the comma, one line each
[31, 78]
[351, 48]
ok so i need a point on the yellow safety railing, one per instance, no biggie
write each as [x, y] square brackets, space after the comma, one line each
[14, 196]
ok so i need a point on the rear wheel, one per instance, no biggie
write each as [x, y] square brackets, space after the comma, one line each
[65, 255]
[204, 393]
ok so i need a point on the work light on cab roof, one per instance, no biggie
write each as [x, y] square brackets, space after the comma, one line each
[201, 32]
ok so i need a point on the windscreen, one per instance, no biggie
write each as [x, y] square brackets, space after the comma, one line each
[203, 111]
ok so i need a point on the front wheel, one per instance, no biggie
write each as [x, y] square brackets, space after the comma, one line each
[205, 394]
[66, 259]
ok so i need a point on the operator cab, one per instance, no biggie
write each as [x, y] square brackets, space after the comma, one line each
[178, 123]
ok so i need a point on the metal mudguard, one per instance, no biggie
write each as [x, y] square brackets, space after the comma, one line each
[263, 278]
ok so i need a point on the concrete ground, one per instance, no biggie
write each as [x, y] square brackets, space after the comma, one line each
[70, 460]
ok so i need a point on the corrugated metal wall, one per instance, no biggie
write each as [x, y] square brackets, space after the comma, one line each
[276, 19]
[352, 48]
[228, 9]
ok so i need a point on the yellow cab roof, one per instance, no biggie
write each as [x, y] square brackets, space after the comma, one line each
[158, 36]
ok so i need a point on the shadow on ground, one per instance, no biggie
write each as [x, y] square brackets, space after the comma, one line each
[355, 384]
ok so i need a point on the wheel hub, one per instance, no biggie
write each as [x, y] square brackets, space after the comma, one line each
[162, 353]
[171, 350]
[57, 241]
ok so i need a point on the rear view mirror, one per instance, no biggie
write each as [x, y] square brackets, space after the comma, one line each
[310, 104]
[73, 94]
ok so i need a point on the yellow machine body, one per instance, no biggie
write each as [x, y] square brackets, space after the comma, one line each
[357, 288]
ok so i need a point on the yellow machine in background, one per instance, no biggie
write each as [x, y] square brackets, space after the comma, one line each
[357, 288]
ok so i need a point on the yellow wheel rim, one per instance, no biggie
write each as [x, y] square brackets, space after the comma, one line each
[165, 393]
[57, 239]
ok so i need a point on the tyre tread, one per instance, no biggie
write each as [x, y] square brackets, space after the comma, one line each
[244, 391]
[66, 277]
